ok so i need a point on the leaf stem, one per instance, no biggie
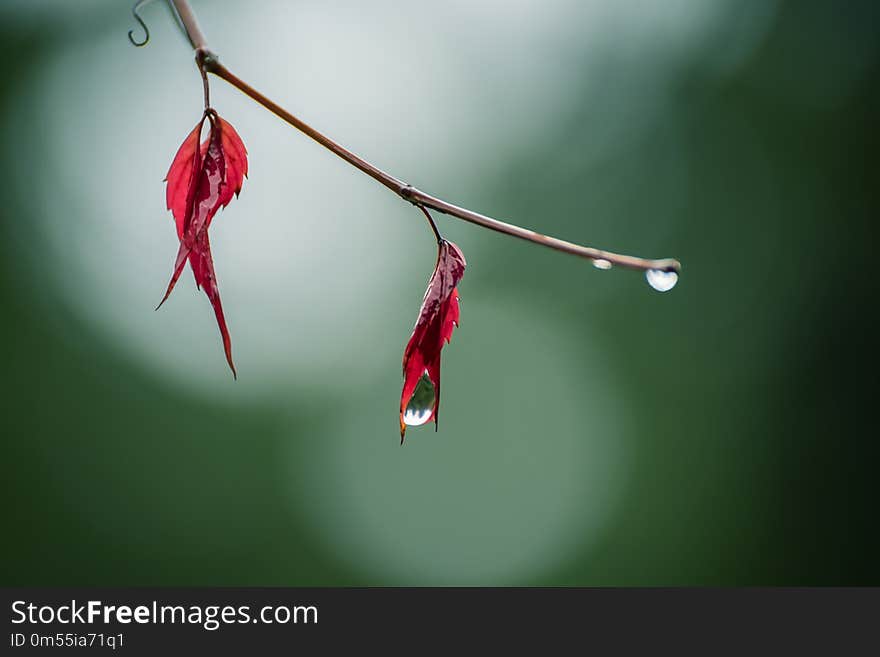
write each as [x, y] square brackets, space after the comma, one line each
[209, 63]
[201, 57]
[431, 222]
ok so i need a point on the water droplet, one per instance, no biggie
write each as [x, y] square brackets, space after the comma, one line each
[601, 263]
[662, 281]
[421, 405]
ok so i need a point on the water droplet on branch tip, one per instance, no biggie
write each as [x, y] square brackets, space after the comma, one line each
[662, 281]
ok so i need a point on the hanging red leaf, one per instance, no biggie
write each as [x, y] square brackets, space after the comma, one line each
[420, 399]
[200, 181]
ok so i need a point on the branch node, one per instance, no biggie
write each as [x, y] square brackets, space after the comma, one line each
[206, 59]
[408, 193]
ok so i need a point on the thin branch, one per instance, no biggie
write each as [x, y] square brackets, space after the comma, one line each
[420, 198]
[191, 25]
[626, 261]
[208, 62]
[214, 66]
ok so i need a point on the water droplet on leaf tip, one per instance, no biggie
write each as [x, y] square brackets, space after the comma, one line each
[420, 407]
[662, 281]
[601, 263]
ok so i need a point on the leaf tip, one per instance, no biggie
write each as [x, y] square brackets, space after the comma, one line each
[227, 348]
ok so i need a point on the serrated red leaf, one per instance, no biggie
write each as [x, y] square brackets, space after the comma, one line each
[202, 179]
[437, 318]
[180, 176]
[236, 159]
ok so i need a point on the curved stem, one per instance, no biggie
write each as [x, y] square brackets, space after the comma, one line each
[419, 198]
[431, 221]
[208, 63]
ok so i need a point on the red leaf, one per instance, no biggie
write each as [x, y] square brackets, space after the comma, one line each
[438, 316]
[201, 180]
[180, 175]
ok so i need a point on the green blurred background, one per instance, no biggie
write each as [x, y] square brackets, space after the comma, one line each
[593, 431]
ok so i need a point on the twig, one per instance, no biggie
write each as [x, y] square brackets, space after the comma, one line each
[209, 63]
[191, 25]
